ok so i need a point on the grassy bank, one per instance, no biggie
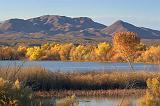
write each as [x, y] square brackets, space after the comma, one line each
[93, 93]
[40, 79]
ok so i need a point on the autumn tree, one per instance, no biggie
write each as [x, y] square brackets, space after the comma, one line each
[55, 51]
[102, 51]
[22, 51]
[65, 51]
[125, 44]
[152, 55]
[8, 53]
[34, 53]
[80, 53]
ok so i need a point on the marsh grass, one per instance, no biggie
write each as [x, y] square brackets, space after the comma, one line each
[119, 93]
[39, 78]
[65, 84]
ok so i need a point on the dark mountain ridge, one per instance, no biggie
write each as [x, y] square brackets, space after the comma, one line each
[48, 24]
[121, 26]
[54, 25]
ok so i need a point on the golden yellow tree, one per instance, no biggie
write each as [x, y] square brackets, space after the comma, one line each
[55, 51]
[46, 46]
[125, 43]
[34, 53]
[102, 50]
[22, 51]
[65, 51]
[80, 53]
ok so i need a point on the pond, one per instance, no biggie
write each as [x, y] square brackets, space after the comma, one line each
[82, 66]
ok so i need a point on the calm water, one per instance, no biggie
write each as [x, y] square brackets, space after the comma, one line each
[107, 101]
[81, 66]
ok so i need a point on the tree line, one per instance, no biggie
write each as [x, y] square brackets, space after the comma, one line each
[126, 46]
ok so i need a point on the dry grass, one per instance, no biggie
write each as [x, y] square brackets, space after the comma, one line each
[93, 93]
[68, 101]
[40, 79]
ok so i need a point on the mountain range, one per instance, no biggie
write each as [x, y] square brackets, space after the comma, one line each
[54, 25]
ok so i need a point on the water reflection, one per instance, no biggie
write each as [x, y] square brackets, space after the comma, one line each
[107, 101]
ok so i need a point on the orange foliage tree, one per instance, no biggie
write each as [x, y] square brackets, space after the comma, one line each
[8, 53]
[125, 44]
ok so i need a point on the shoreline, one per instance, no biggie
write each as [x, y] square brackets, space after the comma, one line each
[92, 93]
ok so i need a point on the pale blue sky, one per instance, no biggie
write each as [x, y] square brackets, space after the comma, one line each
[139, 12]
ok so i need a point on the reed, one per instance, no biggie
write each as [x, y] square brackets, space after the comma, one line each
[40, 79]
[68, 101]
[92, 93]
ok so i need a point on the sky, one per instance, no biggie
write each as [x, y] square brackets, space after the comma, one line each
[144, 13]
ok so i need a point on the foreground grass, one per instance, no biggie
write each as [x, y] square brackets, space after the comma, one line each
[59, 84]
[40, 79]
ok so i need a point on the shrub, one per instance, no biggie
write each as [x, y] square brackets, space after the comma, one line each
[15, 94]
[152, 97]
[151, 55]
